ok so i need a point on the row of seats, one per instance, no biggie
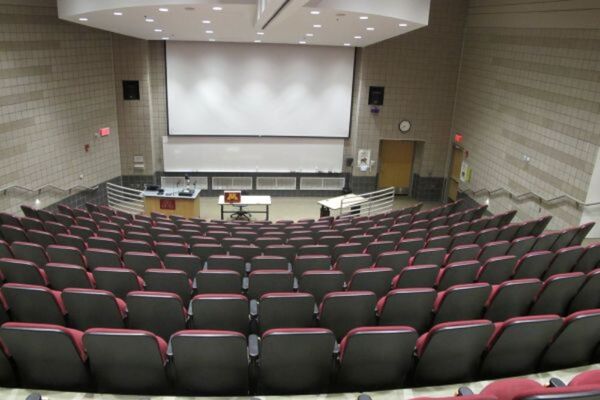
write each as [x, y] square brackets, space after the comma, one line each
[164, 313]
[293, 360]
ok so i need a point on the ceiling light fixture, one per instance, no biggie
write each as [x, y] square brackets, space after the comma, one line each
[317, 26]
[364, 17]
[212, 40]
[309, 35]
[358, 37]
[403, 25]
[210, 32]
[258, 41]
[158, 30]
[118, 13]
[206, 22]
[83, 19]
[217, 8]
[148, 19]
[370, 28]
[302, 42]
[347, 44]
[165, 38]
[315, 12]
[163, 9]
[260, 33]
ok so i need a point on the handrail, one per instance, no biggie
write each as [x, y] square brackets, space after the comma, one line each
[372, 203]
[563, 197]
[124, 198]
[40, 189]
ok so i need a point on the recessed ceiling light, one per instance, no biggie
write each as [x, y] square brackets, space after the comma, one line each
[315, 12]
[370, 28]
[258, 41]
[212, 40]
[358, 37]
[206, 22]
[158, 30]
[260, 33]
[163, 9]
[83, 19]
[403, 25]
[347, 44]
[165, 38]
[217, 8]
[302, 42]
[118, 13]
[210, 32]
[309, 35]
[317, 26]
[364, 17]
[148, 19]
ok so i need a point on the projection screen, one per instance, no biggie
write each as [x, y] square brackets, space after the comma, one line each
[230, 89]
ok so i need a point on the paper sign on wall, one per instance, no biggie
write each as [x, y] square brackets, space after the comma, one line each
[364, 160]
[465, 172]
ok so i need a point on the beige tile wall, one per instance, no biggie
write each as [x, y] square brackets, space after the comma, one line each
[530, 92]
[419, 71]
[56, 91]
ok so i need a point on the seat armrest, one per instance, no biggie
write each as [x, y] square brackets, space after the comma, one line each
[555, 382]
[336, 349]
[245, 283]
[253, 308]
[296, 285]
[169, 350]
[194, 285]
[253, 346]
[465, 391]
[364, 397]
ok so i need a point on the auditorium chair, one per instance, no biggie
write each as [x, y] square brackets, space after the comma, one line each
[297, 241]
[32, 224]
[376, 280]
[350, 263]
[545, 240]
[310, 352]
[319, 283]
[94, 308]
[245, 251]
[9, 219]
[414, 232]
[378, 247]
[564, 260]
[590, 259]
[205, 250]
[346, 248]
[462, 253]
[218, 281]
[102, 258]
[161, 313]
[71, 241]
[5, 251]
[493, 249]
[533, 265]
[258, 263]
[396, 260]
[556, 293]
[66, 255]
[394, 237]
[281, 250]
[458, 227]
[114, 234]
[119, 281]
[88, 223]
[457, 273]
[461, 302]
[418, 276]
[55, 228]
[220, 312]
[127, 361]
[463, 238]
[22, 271]
[100, 242]
[521, 246]
[197, 352]
[314, 249]
[375, 358]
[62, 276]
[588, 296]
[141, 236]
[311, 262]
[342, 311]
[82, 231]
[408, 307]
[284, 310]
[442, 241]
[410, 245]
[485, 236]
[564, 239]
[166, 248]
[33, 303]
[451, 352]
[511, 299]
[169, 280]
[582, 233]
[47, 356]
[30, 252]
[230, 262]
[188, 263]
[508, 232]
[12, 233]
[517, 345]
[261, 282]
[140, 262]
[430, 256]
[264, 241]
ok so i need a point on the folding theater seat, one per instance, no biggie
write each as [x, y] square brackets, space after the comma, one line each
[540, 225]
[375, 358]
[268, 263]
[486, 236]
[586, 378]
[461, 302]
[93, 308]
[230, 241]
[350, 263]
[161, 313]
[139, 236]
[7, 371]
[588, 296]
[140, 262]
[72, 241]
[228, 312]
[430, 256]
[314, 249]
[331, 240]
[343, 311]
[119, 281]
[508, 232]
[218, 281]
[88, 223]
[376, 280]
[533, 265]
[396, 260]
[5, 251]
[511, 299]
[210, 362]
[127, 361]
[12, 233]
[264, 241]
[156, 231]
[169, 280]
[314, 262]
[98, 242]
[9, 219]
[497, 270]
[261, 282]
[21, 271]
[590, 259]
[521, 246]
[319, 283]
[30, 252]
[556, 293]
[418, 276]
[286, 310]
[518, 344]
[390, 237]
[466, 252]
[297, 241]
[479, 224]
[47, 356]
[463, 238]
[493, 249]
[416, 233]
[564, 260]
[295, 360]
[527, 389]
[411, 245]
[457, 273]
[66, 255]
[457, 228]
[407, 307]
[166, 248]
[378, 247]
[545, 241]
[451, 352]
[32, 223]
[581, 233]
[35, 304]
[102, 258]
[62, 276]
[564, 239]
[281, 250]
[346, 248]
[230, 262]
[189, 263]
[576, 342]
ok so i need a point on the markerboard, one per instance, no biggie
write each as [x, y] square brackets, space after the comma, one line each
[252, 154]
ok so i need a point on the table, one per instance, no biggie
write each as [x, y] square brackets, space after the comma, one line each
[245, 202]
[171, 203]
[349, 200]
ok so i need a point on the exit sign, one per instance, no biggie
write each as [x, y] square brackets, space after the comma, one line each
[104, 131]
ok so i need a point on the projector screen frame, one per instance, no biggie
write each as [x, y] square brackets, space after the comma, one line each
[352, 100]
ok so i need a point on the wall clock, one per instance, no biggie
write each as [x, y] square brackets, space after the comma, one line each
[404, 126]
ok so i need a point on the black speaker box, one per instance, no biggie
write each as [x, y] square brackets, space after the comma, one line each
[376, 94]
[131, 90]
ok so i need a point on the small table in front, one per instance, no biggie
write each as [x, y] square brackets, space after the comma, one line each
[339, 203]
[246, 201]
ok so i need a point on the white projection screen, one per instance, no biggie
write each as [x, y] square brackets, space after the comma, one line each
[230, 89]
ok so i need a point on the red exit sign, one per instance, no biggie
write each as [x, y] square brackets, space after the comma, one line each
[104, 131]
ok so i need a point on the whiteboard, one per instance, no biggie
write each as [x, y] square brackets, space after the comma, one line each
[252, 154]
[241, 89]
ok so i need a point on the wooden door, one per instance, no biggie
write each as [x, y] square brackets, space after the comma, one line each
[395, 164]
[454, 178]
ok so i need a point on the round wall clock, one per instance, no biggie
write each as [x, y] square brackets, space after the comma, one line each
[404, 126]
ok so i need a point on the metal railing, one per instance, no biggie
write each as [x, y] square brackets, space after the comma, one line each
[579, 204]
[45, 188]
[125, 199]
[368, 204]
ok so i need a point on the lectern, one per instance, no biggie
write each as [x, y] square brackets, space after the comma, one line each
[172, 203]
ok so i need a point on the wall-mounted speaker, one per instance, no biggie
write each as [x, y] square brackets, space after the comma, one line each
[376, 94]
[349, 161]
[131, 90]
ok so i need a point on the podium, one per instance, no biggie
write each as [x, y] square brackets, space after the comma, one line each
[171, 203]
